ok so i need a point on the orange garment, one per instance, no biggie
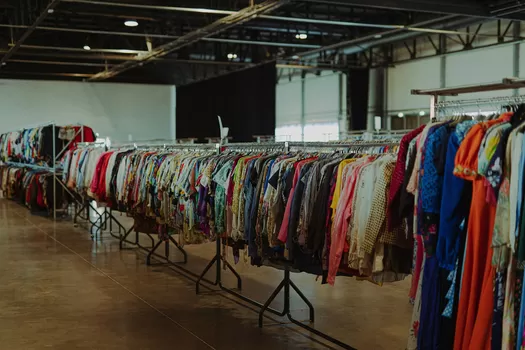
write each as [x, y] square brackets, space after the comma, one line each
[476, 301]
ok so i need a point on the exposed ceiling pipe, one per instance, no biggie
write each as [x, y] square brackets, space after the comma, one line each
[391, 36]
[164, 36]
[416, 27]
[71, 75]
[228, 12]
[49, 9]
[190, 38]
[116, 57]
[75, 49]
[60, 63]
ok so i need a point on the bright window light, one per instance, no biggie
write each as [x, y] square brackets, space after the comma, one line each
[301, 36]
[288, 133]
[321, 132]
[131, 23]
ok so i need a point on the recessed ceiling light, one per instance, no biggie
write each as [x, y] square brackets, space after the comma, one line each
[421, 113]
[378, 36]
[232, 56]
[401, 115]
[51, 11]
[131, 23]
[301, 36]
[87, 47]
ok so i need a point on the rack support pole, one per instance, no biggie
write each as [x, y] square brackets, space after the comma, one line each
[54, 174]
[285, 284]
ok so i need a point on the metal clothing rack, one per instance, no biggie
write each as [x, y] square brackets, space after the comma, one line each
[53, 169]
[435, 104]
[152, 251]
[286, 284]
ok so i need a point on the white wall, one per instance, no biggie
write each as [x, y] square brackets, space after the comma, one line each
[112, 110]
[461, 68]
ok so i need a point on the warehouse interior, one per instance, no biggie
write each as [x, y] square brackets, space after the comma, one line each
[284, 76]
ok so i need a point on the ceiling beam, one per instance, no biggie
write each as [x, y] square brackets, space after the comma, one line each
[193, 37]
[49, 9]
[450, 7]
[163, 36]
[230, 12]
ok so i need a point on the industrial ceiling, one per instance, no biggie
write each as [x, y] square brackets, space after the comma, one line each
[183, 41]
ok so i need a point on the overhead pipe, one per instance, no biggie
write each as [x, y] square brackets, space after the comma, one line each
[49, 9]
[94, 56]
[209, 30]
[164, 36]
[229, 12]
[388, 37]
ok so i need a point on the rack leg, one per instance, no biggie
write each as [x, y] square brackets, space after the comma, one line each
[305, 299]
[151, 238]
[148, 258]
[124, 239]
[230, 267]
[179, 248]
[111, 221]
[206, 269]
[269, 301]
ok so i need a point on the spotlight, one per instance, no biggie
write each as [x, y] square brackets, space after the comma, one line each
[301, 36]
[131, 23]
[232, 56]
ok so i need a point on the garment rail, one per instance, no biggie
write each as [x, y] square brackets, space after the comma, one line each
[286, 283]
[152, 251]
[83, 204]
[53, 168]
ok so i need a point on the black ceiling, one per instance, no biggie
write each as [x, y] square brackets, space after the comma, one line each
[53, 49]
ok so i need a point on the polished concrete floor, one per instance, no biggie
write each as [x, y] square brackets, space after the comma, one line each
[61, 290]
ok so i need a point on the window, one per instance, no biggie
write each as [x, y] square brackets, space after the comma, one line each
[321, 132]
[312, 132]
[288, 133]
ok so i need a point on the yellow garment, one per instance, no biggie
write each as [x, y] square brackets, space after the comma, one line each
[339, 184]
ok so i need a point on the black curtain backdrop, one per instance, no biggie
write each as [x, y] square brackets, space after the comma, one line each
[245, 100]
[358, 82]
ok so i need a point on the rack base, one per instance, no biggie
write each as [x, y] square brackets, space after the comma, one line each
[285, 285]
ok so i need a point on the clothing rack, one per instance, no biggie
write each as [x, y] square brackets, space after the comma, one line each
[152, 251]
[53, 169]
[435, 104]
[286, 283]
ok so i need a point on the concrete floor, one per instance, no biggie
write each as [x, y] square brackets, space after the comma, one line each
[61, 290]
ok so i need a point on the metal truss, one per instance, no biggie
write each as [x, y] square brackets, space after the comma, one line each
[503, 33]
[193, 37]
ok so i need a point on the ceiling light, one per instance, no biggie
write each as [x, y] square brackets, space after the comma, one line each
[421, 113]
[87, 47]
[301, 36]
[232, 56]
[400, 115]
[131, 23]
[378, 36]
[51, 11]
